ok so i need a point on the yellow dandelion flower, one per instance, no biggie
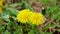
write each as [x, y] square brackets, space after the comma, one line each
[0, 9]
[24, 15]
[1, 4]
[37, 19]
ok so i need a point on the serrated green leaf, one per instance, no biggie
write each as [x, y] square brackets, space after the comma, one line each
[13, 11]
[6, 17]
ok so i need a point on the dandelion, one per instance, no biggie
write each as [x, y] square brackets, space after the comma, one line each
[23, 15]
[37, 19]
[1, 4]
[26, 16]
[0, 9]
